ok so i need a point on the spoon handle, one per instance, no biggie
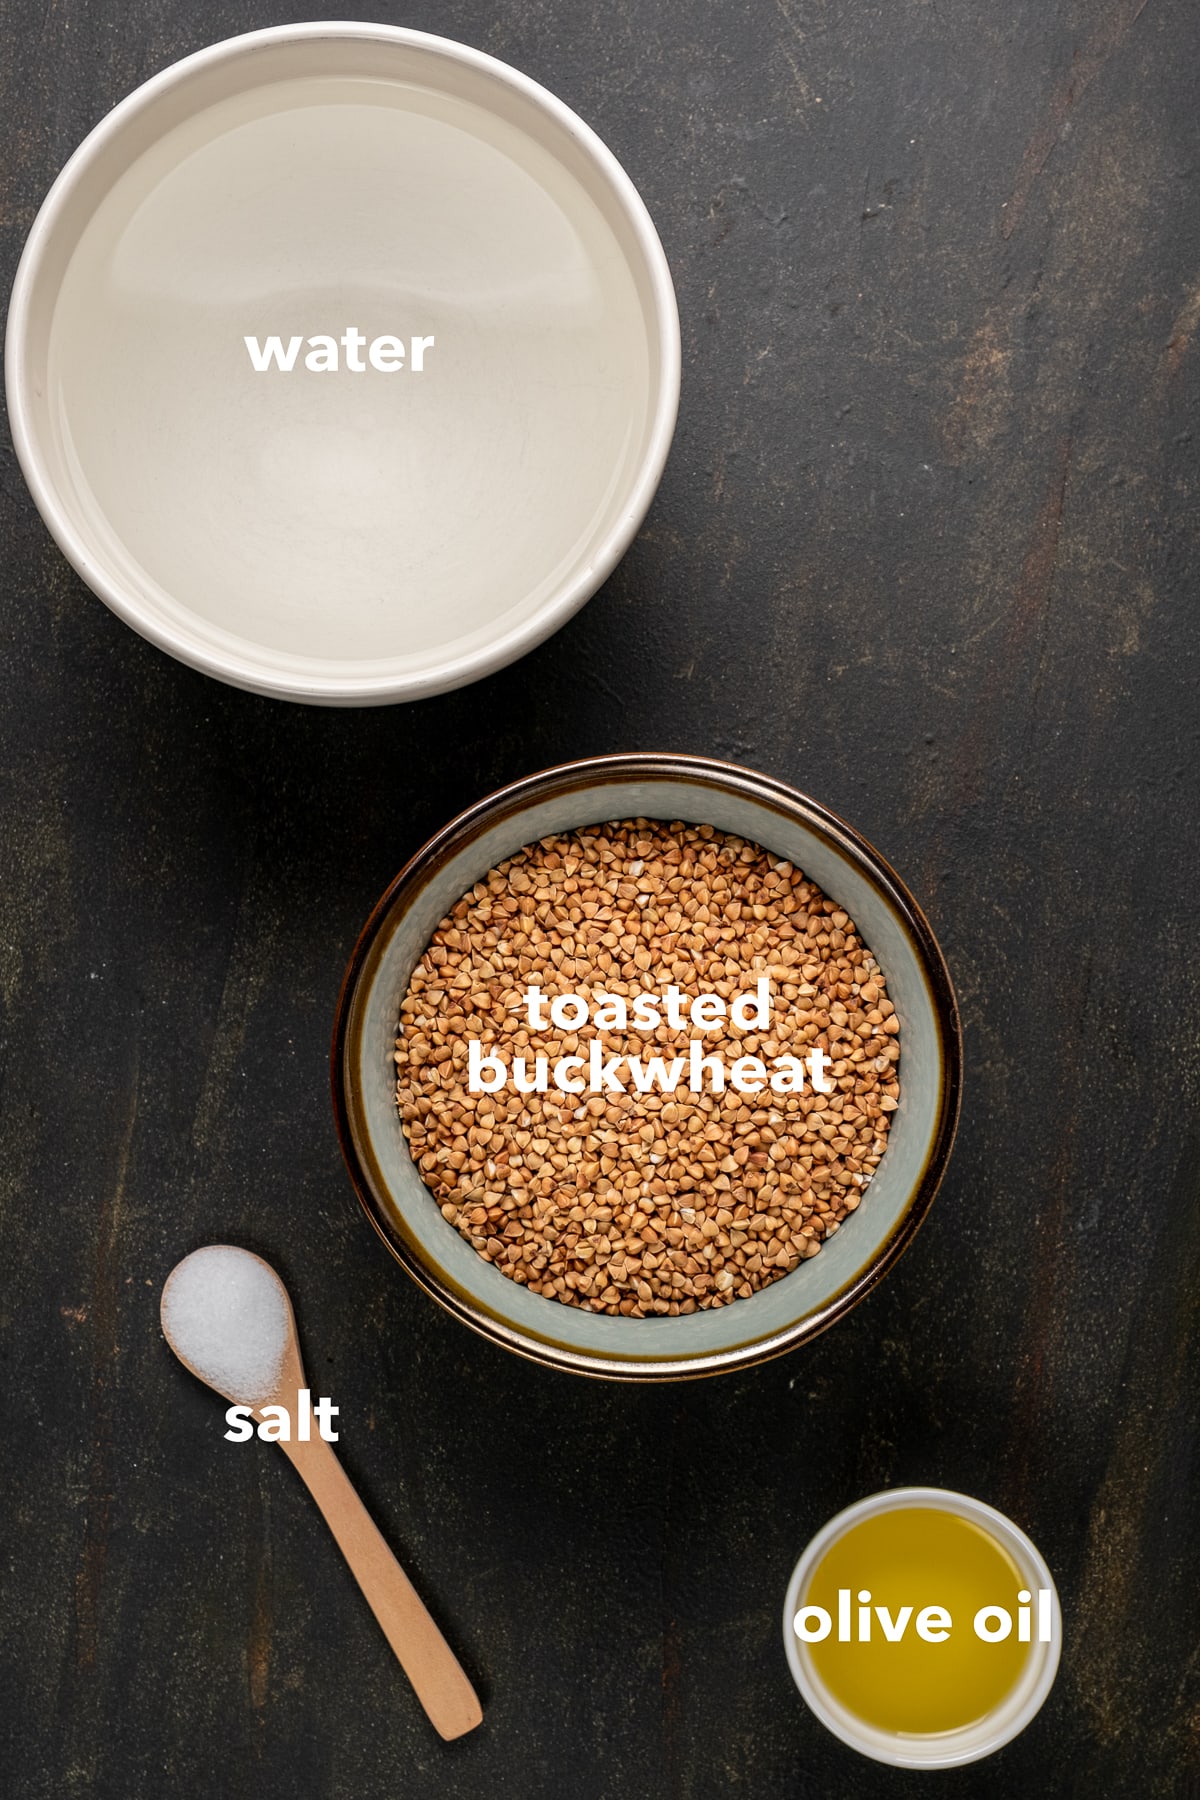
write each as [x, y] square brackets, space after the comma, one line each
[420, 1648]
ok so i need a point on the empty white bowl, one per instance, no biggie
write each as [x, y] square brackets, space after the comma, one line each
[483, 348]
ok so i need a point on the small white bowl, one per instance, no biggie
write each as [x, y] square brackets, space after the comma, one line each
[343, 535]
[935, 1750]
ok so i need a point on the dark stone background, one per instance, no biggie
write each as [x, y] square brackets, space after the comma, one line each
[924, 549]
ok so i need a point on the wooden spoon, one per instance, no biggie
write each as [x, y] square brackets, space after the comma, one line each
[423, 1653]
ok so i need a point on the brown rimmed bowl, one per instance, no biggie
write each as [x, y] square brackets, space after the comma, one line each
[698, 792]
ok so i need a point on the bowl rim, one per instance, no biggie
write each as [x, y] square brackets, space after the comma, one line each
[252, 673]
[514, 798]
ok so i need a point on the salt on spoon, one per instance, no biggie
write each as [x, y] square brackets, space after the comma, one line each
[227, 1316]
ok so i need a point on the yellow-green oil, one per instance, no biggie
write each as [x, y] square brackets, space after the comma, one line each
[917, 1556]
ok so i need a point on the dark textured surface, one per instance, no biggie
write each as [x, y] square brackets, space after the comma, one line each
[923, 549]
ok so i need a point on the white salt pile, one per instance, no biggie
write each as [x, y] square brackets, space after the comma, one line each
[226, 1313]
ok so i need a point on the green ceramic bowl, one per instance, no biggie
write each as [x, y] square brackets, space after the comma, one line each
[697, 791]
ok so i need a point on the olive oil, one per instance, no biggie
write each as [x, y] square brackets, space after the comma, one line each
[925, 1670]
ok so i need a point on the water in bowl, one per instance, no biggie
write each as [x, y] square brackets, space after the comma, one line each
[348, 516]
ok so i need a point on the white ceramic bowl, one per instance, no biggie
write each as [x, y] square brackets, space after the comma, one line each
[937, 1750]
[348, 534]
